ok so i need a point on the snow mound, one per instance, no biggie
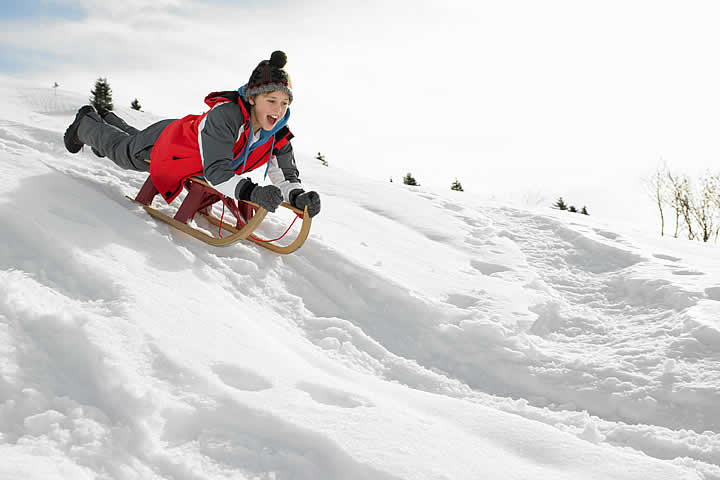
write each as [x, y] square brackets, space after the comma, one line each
[416, 335]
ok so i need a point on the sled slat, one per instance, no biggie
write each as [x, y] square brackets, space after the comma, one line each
[297, 243]
[237, 235]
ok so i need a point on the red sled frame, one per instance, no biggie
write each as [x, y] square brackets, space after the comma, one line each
[199, 200]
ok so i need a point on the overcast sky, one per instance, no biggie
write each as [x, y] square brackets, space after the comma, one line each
[486, 91]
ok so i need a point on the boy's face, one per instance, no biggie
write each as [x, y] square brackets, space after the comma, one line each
[269, 109]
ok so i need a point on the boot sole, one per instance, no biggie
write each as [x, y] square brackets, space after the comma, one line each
[70, 138]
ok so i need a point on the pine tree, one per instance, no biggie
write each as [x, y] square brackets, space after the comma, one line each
[135, 105]
[321, 158]
[560, 204]
[584, 211]
[457, 186]
[102, 95]
[410, 180]
[572, 209]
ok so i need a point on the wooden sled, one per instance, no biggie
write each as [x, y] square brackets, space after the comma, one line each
[199, 200]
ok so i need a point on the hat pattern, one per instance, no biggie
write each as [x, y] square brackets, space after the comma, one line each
[269, 76]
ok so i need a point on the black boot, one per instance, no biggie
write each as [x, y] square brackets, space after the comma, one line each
[72, 142]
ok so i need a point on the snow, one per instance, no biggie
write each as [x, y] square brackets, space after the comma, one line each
[417, 334]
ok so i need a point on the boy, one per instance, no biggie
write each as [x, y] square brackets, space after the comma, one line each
[242, 131]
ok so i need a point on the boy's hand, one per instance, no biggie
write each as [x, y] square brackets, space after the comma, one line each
[267, 196]
[311, 200]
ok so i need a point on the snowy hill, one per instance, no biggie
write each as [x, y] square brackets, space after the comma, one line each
[416, 334]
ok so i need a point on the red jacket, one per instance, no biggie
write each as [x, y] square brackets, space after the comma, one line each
[175, 157]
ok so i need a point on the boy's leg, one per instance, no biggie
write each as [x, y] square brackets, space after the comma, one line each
[127, 151]
[111, 118]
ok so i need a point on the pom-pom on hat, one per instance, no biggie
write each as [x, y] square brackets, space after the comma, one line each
[269, 76]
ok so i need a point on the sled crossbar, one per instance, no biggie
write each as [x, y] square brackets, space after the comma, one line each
[200, 198]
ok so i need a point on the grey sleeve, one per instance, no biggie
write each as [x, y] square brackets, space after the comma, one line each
[217, 134]
[283, 171]
[286, 162]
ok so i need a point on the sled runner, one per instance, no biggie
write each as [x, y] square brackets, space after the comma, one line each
[248, 216]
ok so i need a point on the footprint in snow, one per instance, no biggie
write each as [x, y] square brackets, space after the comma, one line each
[687, 272]
[606, 234]
[461, 301]
[482, 237]
[330, 396]
[452, 207]
[669, 258]
[488, 268]
[241, 378]
[473, 222]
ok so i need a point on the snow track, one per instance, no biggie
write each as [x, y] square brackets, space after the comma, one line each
[618, 330]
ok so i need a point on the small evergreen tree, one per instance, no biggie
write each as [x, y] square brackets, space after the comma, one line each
[410, 180]
[102, 95]
[391, 180]
[560, 204]
[135, 105]
[457, 186]
[584, 211]
[572, 209]
[321, 158]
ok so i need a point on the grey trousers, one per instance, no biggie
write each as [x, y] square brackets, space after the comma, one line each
[127, 146]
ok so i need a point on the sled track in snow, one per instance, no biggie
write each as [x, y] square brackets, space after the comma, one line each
[617, 327]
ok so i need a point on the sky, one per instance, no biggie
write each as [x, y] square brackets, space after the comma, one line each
[554, 96]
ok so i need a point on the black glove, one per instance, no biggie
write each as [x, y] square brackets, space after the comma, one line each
[268, 196]
[302, 199]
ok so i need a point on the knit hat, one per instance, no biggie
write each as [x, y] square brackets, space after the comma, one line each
[269, 76]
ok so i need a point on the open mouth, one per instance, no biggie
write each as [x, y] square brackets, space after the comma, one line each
[272, 119]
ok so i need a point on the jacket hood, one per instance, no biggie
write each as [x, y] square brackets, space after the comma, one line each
[214, 98]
